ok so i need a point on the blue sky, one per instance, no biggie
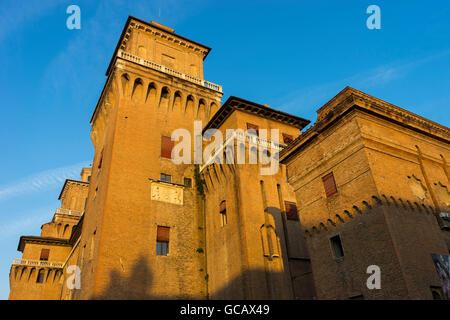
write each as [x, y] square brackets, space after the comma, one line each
[291, 55]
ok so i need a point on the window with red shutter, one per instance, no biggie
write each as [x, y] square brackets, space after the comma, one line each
[329, 184]
[44, 254]
[253, 127]
[166, 147]
[291, 210]
[287, 138]
[162, 241]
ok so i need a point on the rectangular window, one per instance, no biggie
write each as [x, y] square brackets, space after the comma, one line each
[329, 184]
[166, 147]
[291, 210]
[287, 138]
[253, 127]
[166, 177]
[44, 254]
[188, 182]
[336, 245]
[162, 241]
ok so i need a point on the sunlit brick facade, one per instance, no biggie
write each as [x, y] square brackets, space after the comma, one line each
[140, 226]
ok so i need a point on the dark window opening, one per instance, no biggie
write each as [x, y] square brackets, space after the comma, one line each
[336, 245]
[188, 182]
[40, 277]
[287, 138]
[437, 293]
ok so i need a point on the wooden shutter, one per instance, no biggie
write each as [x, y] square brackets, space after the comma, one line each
[291, 210]
[253, 126]
[223, 207]
[45, 254]
[329, 184]
[287, 138]
[162, 234]
[166, 147]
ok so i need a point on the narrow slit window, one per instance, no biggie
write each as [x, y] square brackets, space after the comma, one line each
[40, 277]
[223, 213]
[336, 245]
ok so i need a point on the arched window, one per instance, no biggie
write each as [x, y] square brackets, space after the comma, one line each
[223, 213]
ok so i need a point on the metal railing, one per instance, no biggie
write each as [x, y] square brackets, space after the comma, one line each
[150, 64]
[38, 263]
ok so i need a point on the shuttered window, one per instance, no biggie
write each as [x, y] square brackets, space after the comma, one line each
[45, 254]
[287, 138]
[329, 184]
[162, 241]
[253, 126]
[291, 210]
[166, 147]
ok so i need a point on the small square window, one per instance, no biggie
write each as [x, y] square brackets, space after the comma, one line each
[166, 177]
[188, 182]
[336, 245]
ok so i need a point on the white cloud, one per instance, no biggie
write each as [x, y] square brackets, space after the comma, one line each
[312, 98]
[42, 180]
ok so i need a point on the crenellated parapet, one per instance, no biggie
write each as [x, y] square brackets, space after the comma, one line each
[367, 207]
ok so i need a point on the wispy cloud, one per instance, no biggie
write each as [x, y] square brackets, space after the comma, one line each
[28, 222]
[41, 181]
[313, 97]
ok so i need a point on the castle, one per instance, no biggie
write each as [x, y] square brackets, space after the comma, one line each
[366, 185]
